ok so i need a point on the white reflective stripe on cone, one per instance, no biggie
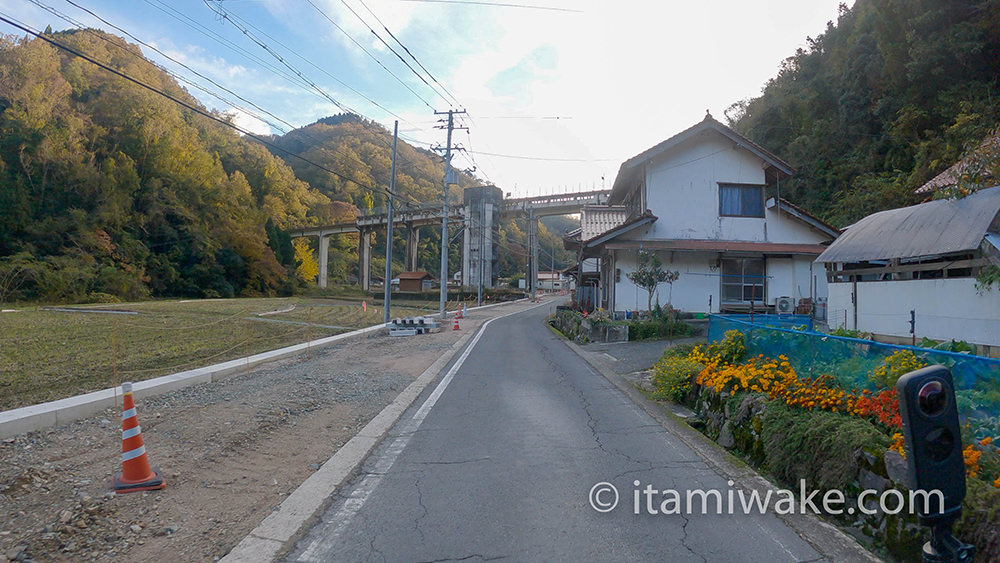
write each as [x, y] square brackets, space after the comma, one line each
[131, 432]
[128, 414]
[132, 454]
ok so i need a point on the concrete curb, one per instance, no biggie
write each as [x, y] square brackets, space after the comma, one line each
[830, 541]
[279, 531]
[54, 413]
[62, 411]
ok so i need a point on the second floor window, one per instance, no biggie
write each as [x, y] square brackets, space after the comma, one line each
[741, 200]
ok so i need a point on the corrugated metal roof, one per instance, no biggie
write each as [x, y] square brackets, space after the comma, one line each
[929, 229]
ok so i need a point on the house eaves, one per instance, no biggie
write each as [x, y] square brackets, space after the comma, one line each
[629, 169]
[737, 246]
[936, 228]
[639, 221]
[804, 216]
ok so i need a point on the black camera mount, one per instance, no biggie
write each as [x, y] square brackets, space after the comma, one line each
[944, 547]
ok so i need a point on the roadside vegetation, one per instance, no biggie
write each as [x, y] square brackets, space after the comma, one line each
[48, 354]
[834, 437]
[658, 325]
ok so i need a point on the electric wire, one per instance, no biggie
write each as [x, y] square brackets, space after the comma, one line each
[412, 56]
[497, 5]
[244, 26]
[198, 27]
[23, 27]
[367, 52]
[176, 76]
[394, 52]
[319, 68]
[302, 131]
[222, 13]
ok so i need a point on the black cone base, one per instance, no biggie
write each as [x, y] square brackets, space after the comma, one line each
[156, 482]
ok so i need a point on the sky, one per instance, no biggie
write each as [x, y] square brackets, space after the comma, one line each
[558, 93]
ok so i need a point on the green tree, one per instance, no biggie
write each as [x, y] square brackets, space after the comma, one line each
[650, 274]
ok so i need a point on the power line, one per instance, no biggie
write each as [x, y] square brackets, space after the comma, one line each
[23, 27]
[222, 13]
[538, 158]
[497, 5]
[412, 56]
[232, 17]
[198, 27]
[551, 117]
[319, 68]
[165, 55]
[394, 52]
[360, 46]
[193, 84]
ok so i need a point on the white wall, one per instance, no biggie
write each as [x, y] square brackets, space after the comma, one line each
[682, 188]
[791, 277]
[945, 309]
[698, 281]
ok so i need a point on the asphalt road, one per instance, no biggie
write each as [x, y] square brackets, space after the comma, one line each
[498, 462]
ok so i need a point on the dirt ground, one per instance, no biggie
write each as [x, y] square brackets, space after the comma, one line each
[230, 452]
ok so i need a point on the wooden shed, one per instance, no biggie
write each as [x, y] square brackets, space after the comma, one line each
[415, 281]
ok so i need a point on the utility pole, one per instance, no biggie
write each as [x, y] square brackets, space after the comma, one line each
[388, 229]
[552, 268]
[445, 239]
[533, 252]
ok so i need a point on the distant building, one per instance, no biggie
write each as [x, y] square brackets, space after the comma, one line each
[415, 281]
[923, 258]
[552, 281]
[973, 164]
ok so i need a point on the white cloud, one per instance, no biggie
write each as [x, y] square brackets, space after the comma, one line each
[247, 122]
[629, 73]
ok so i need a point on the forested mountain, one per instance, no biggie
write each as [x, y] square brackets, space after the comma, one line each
[109, 189]
[892, 93]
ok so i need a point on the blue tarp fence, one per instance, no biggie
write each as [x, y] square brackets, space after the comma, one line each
[850, 361]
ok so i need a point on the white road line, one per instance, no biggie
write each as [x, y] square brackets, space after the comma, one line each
[317, 550]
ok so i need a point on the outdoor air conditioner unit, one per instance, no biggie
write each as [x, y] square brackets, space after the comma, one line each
[784, 305]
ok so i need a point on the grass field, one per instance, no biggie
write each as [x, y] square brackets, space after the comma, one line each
[47, 355]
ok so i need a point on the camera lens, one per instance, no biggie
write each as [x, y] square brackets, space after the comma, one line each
[932, 398]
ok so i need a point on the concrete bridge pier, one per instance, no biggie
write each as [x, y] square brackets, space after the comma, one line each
[364, 259]
[324, 260]
[412, 240]
[467, 248]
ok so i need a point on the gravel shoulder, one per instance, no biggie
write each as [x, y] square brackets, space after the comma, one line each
[230, 451]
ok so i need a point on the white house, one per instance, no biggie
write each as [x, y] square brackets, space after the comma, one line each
[697, 200]
[925, 259]
[552, 281]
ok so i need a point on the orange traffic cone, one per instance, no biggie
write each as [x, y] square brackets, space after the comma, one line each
[455, 326]
[136, 474]
[458, 314]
